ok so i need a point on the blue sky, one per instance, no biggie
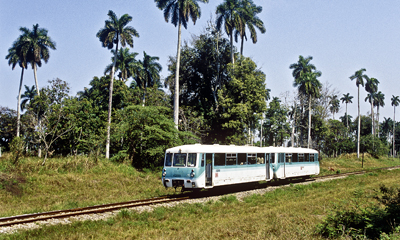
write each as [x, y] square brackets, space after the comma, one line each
[342, 36]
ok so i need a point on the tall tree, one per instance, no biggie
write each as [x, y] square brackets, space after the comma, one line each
[346, 99]
[249, 18]
[148, 75]
[305, 79]
[379, 101]
[15, 56]
[334, 105]
[229, 14]
[35, 46]
[179, 11]
[359, 76]
[309, 86]
[126, 64]
[395, 103]
[115, 31]
[371, 86]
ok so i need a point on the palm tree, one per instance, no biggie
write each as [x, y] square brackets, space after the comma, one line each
[379, 102]
[35, 46]
[15, 56]
[335, 104]
[359, 76]
[179, 11]
[249, 11]
[115, 31]
[395, 103]
[229, 13]
[371, 86]
[149, 73]
[309, 86]
[346, 99]
[27, 96]
[126, 64]
[302, 67]
[303, 73]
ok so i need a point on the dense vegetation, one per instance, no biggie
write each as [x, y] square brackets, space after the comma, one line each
[295, 211]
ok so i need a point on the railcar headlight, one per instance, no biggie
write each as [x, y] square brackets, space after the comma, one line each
[164, 173]
[192, 174]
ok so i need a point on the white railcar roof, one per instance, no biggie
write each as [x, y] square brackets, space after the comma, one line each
[200, 148]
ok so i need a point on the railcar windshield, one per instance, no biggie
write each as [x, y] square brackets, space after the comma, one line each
[180, 159]
[168, 159]
[192, 160]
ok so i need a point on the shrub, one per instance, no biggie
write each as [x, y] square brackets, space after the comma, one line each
[364, 219]
[17, 149]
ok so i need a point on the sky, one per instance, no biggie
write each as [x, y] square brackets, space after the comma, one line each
[342, 36]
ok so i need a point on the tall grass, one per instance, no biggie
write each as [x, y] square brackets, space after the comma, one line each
[288, 213]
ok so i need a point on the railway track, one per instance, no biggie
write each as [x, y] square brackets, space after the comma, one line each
[36, 217]
[28, 218]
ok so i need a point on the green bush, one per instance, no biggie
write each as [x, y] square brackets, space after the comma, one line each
[17, 149]
[362, 219]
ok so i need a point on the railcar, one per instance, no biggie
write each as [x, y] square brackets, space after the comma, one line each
[205, 166]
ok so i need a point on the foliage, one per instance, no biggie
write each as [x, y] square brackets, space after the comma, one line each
[275, 127]
[362, 219]
[373, 145]
[147, 133]
[17, 148]
[8, 126]
[242, 100]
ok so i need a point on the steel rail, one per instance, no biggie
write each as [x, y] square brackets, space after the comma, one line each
[27, 218]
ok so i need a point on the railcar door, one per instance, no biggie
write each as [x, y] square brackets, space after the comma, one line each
[209, 161]
[267, 165]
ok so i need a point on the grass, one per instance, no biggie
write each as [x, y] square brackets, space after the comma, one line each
[70, 183]
[289, 213]
[350, 163]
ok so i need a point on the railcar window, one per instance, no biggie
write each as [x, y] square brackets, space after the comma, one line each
[180, 159]
[281, 157]
[260, 158]
[219, 159]
[209, 158]
[168, 159]
[288, 157]
[301, 157]
[192, 159]
[272, 157]
[252, 158]
[203, 158]
[306, 157]
[294, 157]
[311, 157]
[231, 158]
[241, 158]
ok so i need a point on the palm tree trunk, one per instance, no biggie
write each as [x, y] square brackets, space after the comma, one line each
[231, 39]
[293, 125]
[241, 46]
[39, 117]
[394, 133]
[36, 81]
[377, 111]
[178, 61]
[359, 123]
[372, 119]
[110, 102]
[347, 119]
[309, 122]
[19, 103]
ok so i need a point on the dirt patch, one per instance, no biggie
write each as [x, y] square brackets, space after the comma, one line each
[12, 183]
